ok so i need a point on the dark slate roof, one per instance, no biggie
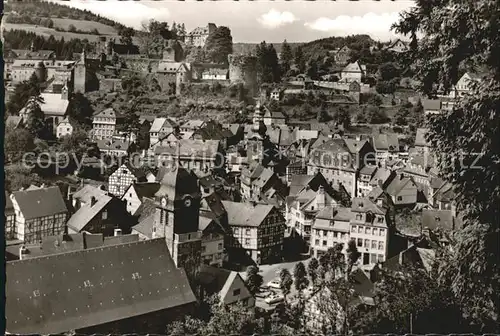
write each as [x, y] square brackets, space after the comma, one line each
[213, 277]
[40, 202]
[146, 189]
[86, 213]
[74, 290]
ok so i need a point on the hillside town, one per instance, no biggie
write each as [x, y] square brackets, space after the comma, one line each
[167, 189]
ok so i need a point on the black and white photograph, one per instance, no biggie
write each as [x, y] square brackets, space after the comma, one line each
[251, 167]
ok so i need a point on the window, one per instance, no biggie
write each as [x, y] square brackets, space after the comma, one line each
[104, 214]
[375, 231]
[316, 242]
[247, 232]
[367, 230]
[380, 219]
[367, 243]
[335, 234]
[400, 198]
[359, 216]
[324, 242]
[353, 228]
[247, 241]
[360, 229]
[380, 258]
[373, 258]
[203, 249]
[236, 292]
[380, 245]
[382, 232]
[236, 231]
[360, 242]
[220, 247]
[325, 233]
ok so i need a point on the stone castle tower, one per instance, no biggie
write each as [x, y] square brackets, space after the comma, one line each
[80, 74]
[243, 68]
[173, 51]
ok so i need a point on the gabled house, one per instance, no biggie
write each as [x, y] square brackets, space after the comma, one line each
[64, 128]
[273, 117]
[403, 190]
[104, 124]
[421, 143]
[228, 285]
[10, 218]
[330, 227]
[212, 240]
[340, 160]
[192, 125]
[353, 72]
[104, 214]
[159, 128]
[257, 232]
[114, 147]
[132, 287]
[342, 55]
[39, 212]
[135, 194]
[256, 180]
[369, 228]
[431, 106]
[398, 46]
[366, 174]
[121, 179]
[463, 86]
[386, 147]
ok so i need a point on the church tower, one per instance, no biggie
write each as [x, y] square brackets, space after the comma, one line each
[177, 215]
[80, 73]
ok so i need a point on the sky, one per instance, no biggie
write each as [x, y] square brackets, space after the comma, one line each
[255, 21]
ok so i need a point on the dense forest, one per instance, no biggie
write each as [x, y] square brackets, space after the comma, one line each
[30, 9]
[20, 39]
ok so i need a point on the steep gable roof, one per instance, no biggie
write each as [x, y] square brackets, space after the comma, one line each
[245, 214]
[40, 202]
[86, 213]
[62, 292]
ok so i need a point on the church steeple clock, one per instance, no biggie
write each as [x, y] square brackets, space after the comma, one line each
[178, 203]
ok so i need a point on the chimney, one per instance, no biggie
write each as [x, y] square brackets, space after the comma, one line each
[117, 232]
[93, 201]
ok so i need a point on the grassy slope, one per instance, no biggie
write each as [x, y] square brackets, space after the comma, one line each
[46, 32]
[84, 25]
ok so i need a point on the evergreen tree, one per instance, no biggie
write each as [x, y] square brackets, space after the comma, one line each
[22, 93]
[300, 276]
[300, 61]
[35, 123]
[286, 281]
[268, 66]
[286, 57]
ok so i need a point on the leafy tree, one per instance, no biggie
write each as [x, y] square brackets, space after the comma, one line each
[312, 269]
[386, 87]
[17, 142]
[22, 93]
[152, 37]
[253, 279]
[72, 28]
[465, 37]
[189, 326]
[80, 110]
[375, 99]
[388, 71]
[286, 57]
[286, 281]
[375, 115]
[342, 117]
[410, 300]
[401, 117]
[19, 176]
[219, 45]
[300, 276]
[233, 319]
[126, 34]
[77, 142]
[323, 115]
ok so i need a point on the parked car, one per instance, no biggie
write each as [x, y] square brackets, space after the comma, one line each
[274, 284]
[274, 299]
